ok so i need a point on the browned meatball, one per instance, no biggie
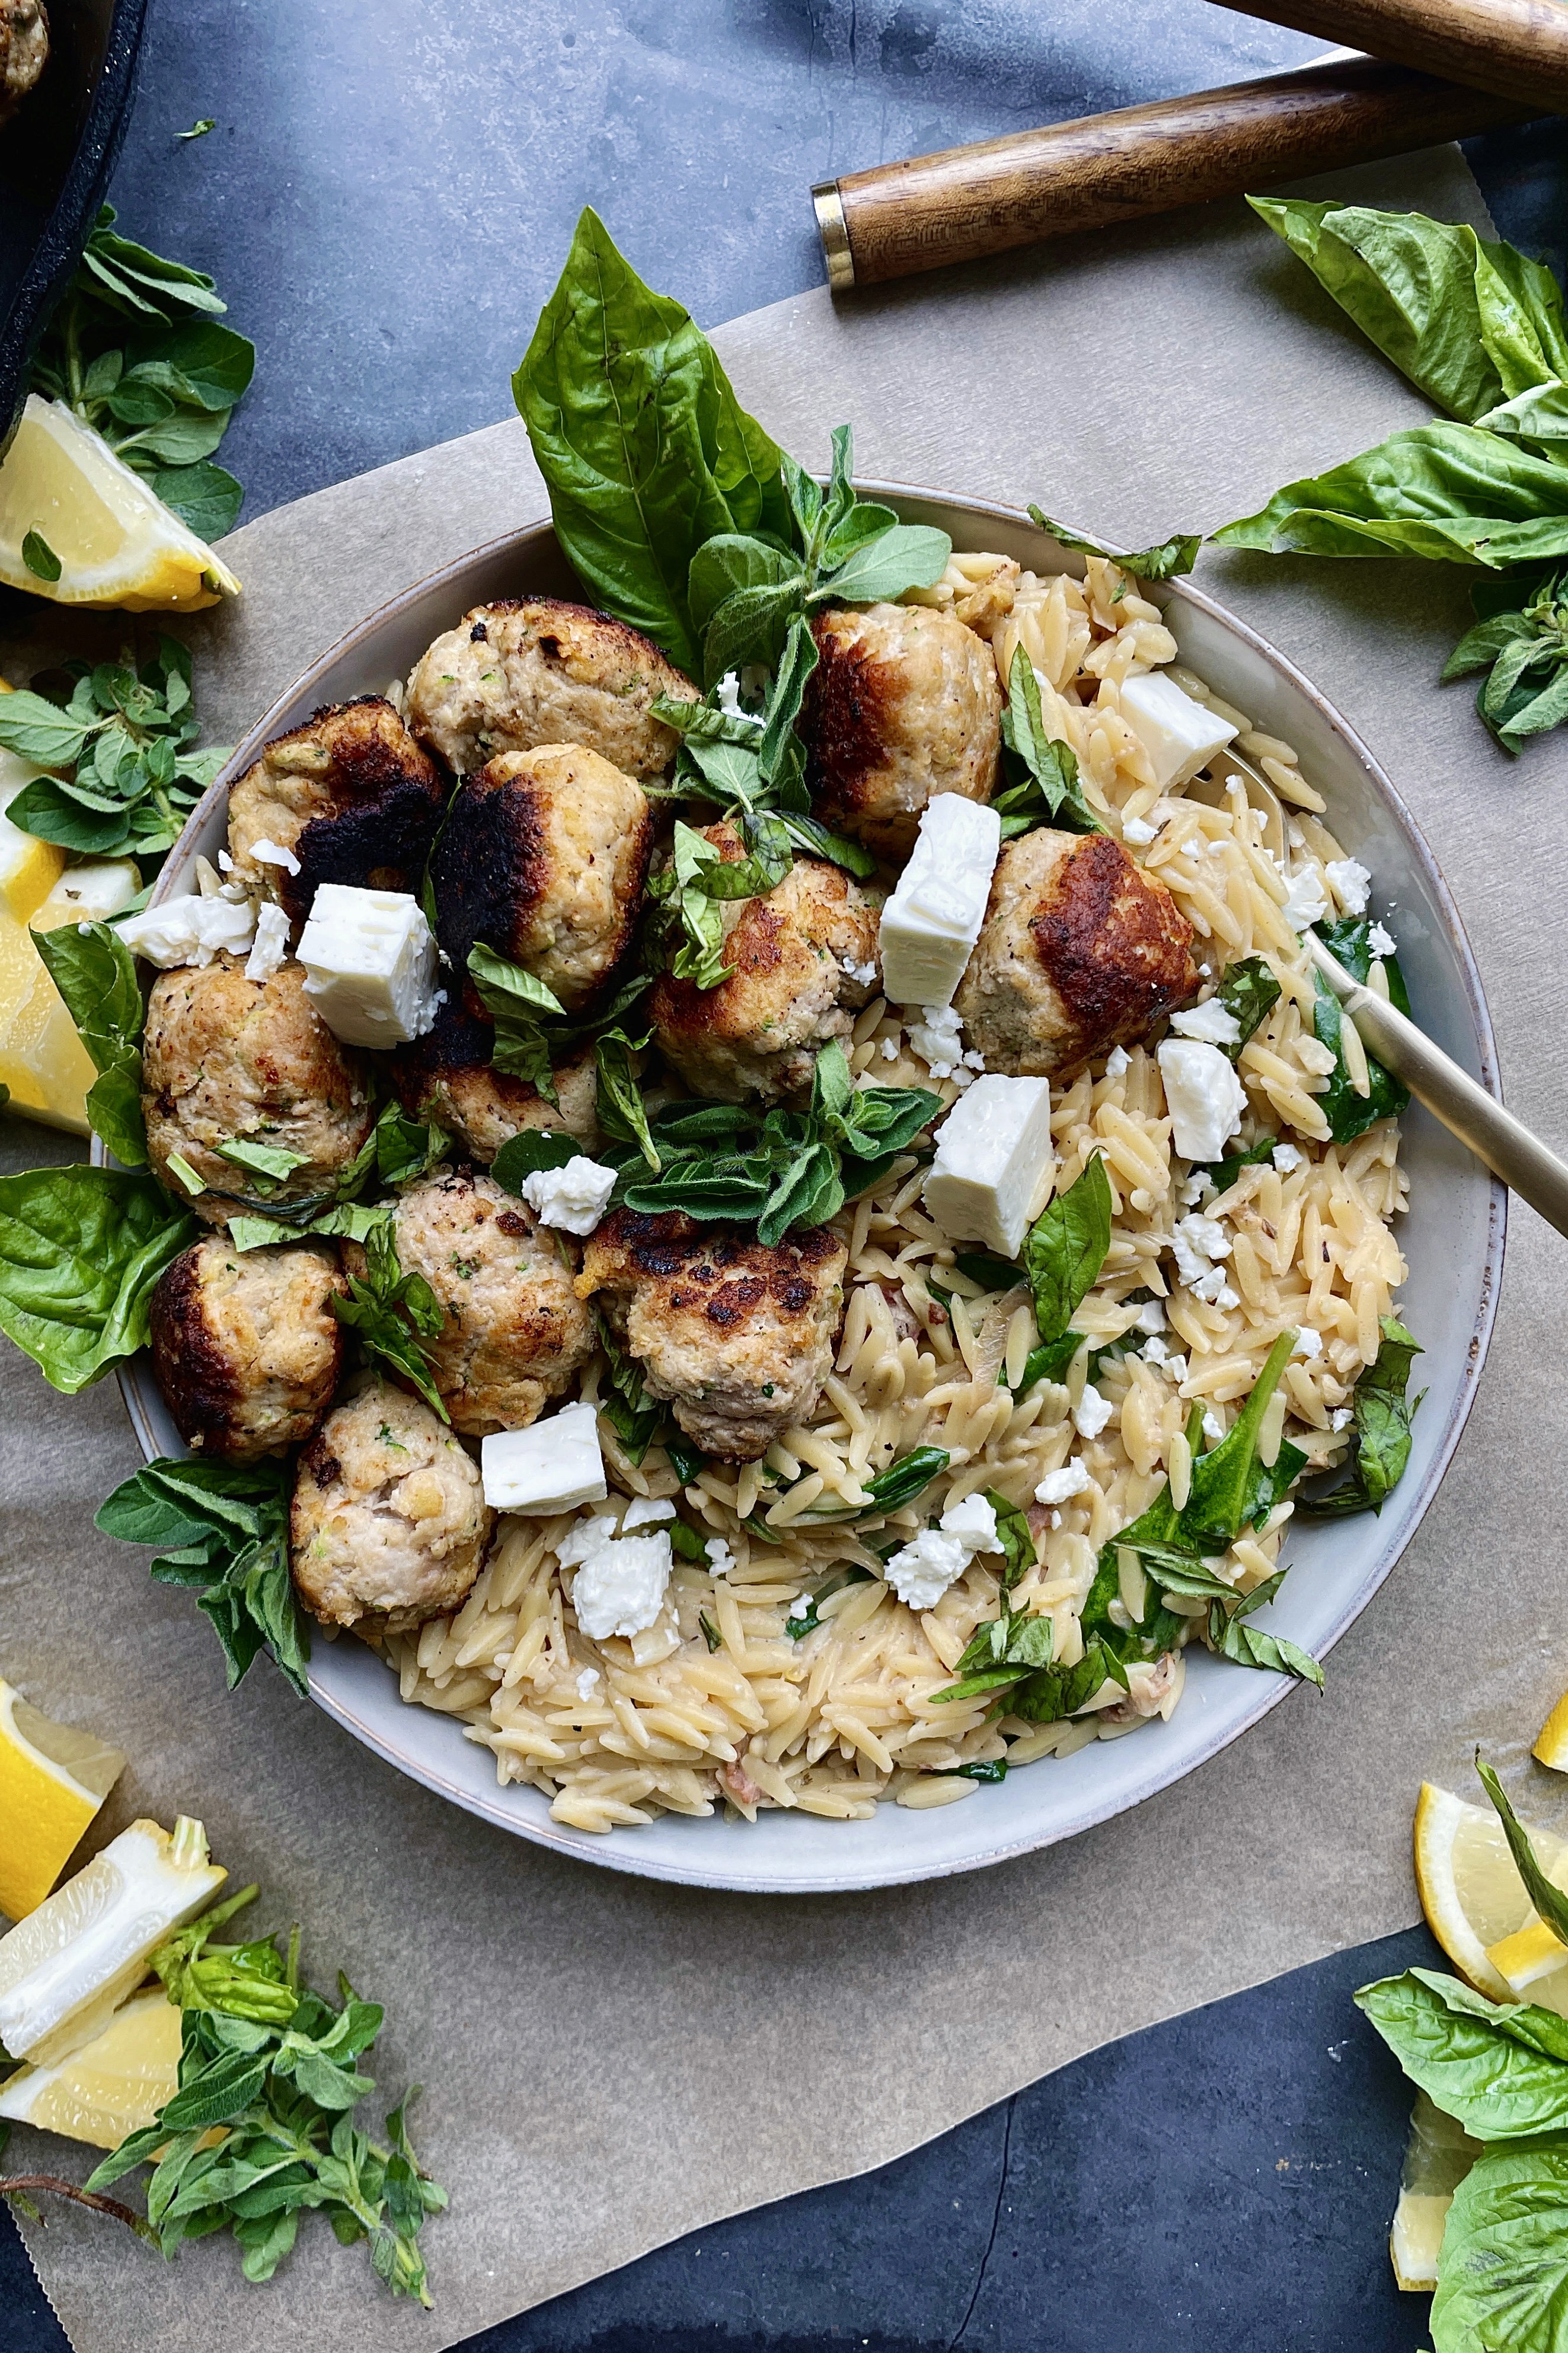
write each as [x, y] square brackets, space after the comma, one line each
[1081, 951]
[543, 859]
[736, 1336]
[516, 1335]
[446, 1076]
[246, 1348]
[537, 670]
[350, 794]
[389, 1522]
[904, 704]
[24, 51]
[804, 960]
[227, 1058]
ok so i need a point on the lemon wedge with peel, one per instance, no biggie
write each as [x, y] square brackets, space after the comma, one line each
[110, 2086]
[65, 1968]
[1437, 2156]
[1551, 1741]
[1469, 1885]
[116, 543]
[52, 1782]
[42, 1060]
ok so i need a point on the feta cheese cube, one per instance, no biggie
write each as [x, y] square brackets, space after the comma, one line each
[994, 1158]
[1210, 1022]
[1203, 1096]
[932, 919]
[620, 1583]
[573, 1197]
[370, 963]
[551, 1466]
[189, 929]
[1179, 735]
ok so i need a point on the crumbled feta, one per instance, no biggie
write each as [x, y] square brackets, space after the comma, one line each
[862, 975]
[225, 862]
[1213, 1288]
[1285, 1157]
[1150, 1316]
[1209, 1021]
[721, 1559]
[1214, 1429]
[272, 853]
[271, 943]
[1199, 1187]
[1204, 1097]
[1198, 1243]
[620, 1583]
[189, 929]
[1117, 1063]
[1194, 846]
[891, 1050]
[369, 965]
[551, 1466]
[588, 1684]
[921, 1572]
[938, 1038]
[1381, 943]
[1340, 1417]
[1091, 1412]
[1178, 734]
[995, 1156]
[973, 1522]
[646, 1512]
[1154, 1350]
[1138, 831]
[730, 702]
[1308, 1343]
[1176, 1369]
[573, 1197]
[1061, 1486]
[931, 922]
[1304, 901]
[1349, 880]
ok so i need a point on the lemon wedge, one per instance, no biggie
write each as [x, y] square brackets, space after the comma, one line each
[116, 543]
[42, 1060]
[1437, 2156]
[1470, 1889]
[1551, 1741]
[1533, 1965]
[110, 2086]
[52, 1783]
[30, 868]
[65, 1968]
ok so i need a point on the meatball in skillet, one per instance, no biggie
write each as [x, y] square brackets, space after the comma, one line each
[227, 1058]
[736, 1337]
[516, 1335]
[24, 51]
[350, 795]
[1081, 951]
[246, 1348]
[446, 1076]
[903, 704]
[389, 1522]
[543, 859]
[536, 671]
[805, 961]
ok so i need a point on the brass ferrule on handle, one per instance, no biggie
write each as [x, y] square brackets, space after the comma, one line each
[970, 202]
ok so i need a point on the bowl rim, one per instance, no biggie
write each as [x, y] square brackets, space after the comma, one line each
[627, 1853]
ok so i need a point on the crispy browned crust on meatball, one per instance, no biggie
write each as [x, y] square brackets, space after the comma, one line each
[24, 51]
[225, 1058]
[736, 1336]
[543, 859]
[447, 1076]
[350, 793]
[1081, 951]
[537, 669]
[792, 988]
[246, 1348]
[903, 704]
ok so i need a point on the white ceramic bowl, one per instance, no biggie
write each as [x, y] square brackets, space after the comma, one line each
[1453, 1239]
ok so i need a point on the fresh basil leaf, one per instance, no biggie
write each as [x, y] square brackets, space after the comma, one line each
[905, 1479]
[836, 848]
[1065, 1248]
[1017, 1538]
[632, 1413]
[515, 1000]
[225, 1530]
[618, 1098]
[1222, 1498]
[877, 570]
[95, 974]
[1502, 2275]
[273, 1164]
[645, 449]
[1049, 791]
[687, 1462]
[1383, 1414]
[531, 1149]
[1226, 1172]
[807, 1621]
[1248, 992]
[1497, 2068]
[797, 664]
[1166, 562]
[394, 1314]
[81, 1252]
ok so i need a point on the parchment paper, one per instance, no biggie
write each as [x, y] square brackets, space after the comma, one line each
[611, 2063]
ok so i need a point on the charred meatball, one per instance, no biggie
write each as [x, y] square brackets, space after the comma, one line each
[446, 1076]
[350, 795]
[522, 673]
[543, 859]
[223, 1060]
[805, 961]
[1081, 951]
[246, 1348]
[516, 1334]
[389, 1522]
[24, 51]
[738, 1337]
[903, 704]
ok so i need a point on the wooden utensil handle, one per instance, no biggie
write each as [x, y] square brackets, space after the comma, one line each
[972, 201]
[1517, 49]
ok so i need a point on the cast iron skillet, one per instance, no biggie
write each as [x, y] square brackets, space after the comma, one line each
[56, 155]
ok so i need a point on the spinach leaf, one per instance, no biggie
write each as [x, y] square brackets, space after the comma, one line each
[687, 1462]
[983, 1267]
[223, 1528]
[645, 449]
[81, 1252]
[1502, 2275]
[531, 1149]
[1248, 992]
[1167, 562]
[1499, 2068]
[393, 1315]
[905, 1478]
[631, 1412]
[1004, 1653]
[1225, 1496]
[1044, 787]
[95, 973]
[1350, 1114]
[617, 1097]
[1382, 1415]
[1549, 1900]
[1232, 1635]
[1226, 1172]
[797, 1626]
[1065, 1248]
[1048, 1362]
[988, 1769]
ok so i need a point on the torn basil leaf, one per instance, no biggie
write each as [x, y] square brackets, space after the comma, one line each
[1383, 1413]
